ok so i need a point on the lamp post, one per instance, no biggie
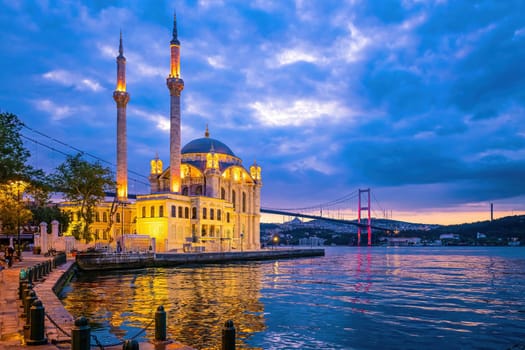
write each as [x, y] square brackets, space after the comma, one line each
[242, 236]
[18, 220]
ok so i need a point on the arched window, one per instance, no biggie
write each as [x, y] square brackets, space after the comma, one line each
[233, 198]
[97, 216]
[185, 191]
[198, 190]
[223, 193]
[152, 212]
[180, 212]
[173, 211]
[194, 213]
[228, 217]
[212, 214]
[143, 212]
[117, 219]
[105, 217]
[204, 213]
[186, 213]
[161, 211]
[244, 202]
[219, 214]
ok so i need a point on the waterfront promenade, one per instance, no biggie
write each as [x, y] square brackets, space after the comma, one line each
[12, 323]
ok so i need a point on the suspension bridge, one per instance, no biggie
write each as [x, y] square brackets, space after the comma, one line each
[363, 196]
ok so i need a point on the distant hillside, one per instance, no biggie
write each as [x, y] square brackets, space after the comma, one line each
[499, 229]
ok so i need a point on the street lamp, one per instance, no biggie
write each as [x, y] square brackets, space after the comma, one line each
[242, 236]
[275, 240]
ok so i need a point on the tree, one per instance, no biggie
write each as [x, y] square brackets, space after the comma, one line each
[13, 208]
[84, 184]
[13, 154]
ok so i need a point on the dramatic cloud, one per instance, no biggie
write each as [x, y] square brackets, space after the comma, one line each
[422, 101]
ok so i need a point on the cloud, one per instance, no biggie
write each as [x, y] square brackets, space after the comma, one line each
[282, 113]
[71, 79]
[57, 112]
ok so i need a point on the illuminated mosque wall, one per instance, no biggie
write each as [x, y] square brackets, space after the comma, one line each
[204, 200]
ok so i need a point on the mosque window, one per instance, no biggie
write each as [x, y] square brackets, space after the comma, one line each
[173, 211]
[186, 212]
[161, 211]
[204, 213]
[152, 212]
[244, 202]
[228, 217]
[212, 214]
[105, 217]
[180, 212]
[218, 214]
[143, 212]
[233, 198]
[117, 219]
[223, 193]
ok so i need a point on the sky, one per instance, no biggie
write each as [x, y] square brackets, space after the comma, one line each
[421, 101]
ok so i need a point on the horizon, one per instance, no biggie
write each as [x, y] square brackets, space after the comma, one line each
[421, 102]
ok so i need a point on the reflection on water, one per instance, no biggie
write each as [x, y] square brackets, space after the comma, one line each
[353, 298]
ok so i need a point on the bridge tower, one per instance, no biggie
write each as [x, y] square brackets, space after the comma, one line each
[369, 222]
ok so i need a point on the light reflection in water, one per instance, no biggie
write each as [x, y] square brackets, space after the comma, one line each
[354, 298]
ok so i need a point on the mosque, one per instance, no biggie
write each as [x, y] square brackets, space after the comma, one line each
[204, 200]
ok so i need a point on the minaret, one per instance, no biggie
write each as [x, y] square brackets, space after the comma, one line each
[121, 97]
[175, 85]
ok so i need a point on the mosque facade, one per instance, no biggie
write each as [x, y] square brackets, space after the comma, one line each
[203, 200]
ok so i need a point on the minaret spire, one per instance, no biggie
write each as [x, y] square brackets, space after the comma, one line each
[121, 97]
[120, 47]
[175, 85]
[175, 39]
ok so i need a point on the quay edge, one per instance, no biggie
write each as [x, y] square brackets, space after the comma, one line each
[91, 261]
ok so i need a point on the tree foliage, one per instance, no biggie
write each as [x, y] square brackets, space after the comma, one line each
[13, 154]
[84, 184]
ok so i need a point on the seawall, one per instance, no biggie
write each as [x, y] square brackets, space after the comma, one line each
[117, 261]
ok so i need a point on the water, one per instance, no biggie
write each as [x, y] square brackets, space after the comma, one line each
[353, 298]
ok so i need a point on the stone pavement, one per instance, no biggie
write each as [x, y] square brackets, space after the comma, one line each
[12, 323]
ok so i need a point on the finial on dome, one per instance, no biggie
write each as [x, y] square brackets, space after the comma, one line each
[206, 133]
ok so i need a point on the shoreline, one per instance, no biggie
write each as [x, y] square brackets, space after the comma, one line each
[100, 261]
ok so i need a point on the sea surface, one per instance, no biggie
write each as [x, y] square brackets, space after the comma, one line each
[353, 298]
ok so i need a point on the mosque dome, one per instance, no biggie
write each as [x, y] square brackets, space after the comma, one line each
[205, 145]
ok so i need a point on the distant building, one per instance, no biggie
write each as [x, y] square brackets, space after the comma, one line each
[403, 241]
[312, 241]
[480, 235]
[449, 236]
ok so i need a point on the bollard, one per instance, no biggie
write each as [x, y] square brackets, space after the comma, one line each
[28, 302]
[37, 328]
[130, 345]
[21, 287]
[81, 334]
[228, 336]
[29, 288]
[30, 273]
[38, 273]
[160, 324]
[45, 271]
[50, 262]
